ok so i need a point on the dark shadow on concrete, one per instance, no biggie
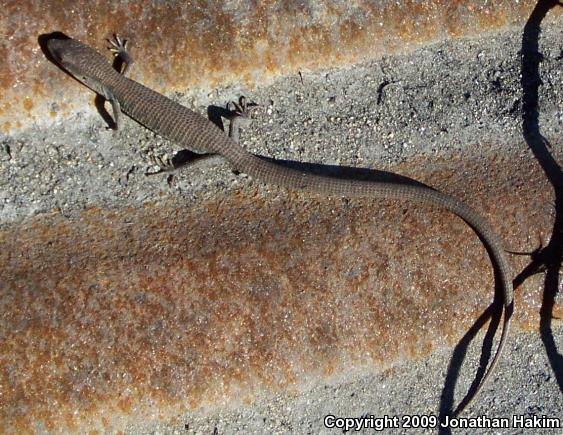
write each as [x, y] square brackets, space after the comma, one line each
[347, 172]
[216, 115]
[545, 259]
[100, 102]
[494, 312]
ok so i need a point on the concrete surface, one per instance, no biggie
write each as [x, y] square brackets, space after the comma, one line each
[148, 303]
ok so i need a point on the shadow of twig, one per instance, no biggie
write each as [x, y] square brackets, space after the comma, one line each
[546, 258]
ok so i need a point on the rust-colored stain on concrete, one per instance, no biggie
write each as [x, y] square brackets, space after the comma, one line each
[140, 314]
[202, 44]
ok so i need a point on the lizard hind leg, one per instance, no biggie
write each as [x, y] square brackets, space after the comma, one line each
[181, 159]
[240, 115]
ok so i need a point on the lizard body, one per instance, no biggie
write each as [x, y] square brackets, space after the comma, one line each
[183, 126]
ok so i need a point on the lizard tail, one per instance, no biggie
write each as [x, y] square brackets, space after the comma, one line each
[276, 174]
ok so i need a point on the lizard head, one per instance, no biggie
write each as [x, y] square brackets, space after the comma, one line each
[82, 62]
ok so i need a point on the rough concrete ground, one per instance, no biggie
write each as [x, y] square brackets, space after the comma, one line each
[461, 97]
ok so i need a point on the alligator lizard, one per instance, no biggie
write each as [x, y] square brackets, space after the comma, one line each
[180, 124]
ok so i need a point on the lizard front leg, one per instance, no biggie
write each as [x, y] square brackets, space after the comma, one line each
[125, 61]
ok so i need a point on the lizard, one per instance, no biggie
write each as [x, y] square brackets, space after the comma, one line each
[198, 134]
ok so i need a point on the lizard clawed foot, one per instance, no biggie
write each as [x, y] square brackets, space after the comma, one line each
[118, 47]
[164, 165]
[243, 110]
[240, 115]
